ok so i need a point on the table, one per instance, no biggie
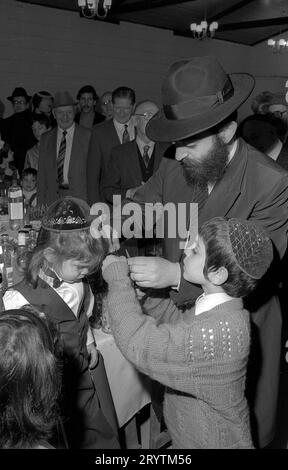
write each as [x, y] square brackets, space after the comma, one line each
[129, 388]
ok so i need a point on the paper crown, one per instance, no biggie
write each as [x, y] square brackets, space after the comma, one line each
[67, 214]
[251, 246]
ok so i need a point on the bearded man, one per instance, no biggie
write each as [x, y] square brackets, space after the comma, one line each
[225, 177]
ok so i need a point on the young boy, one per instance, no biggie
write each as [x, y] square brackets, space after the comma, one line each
[200, 356]
[29, 186]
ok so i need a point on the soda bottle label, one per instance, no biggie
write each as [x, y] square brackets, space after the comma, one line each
[9, 276]
[15, 194]
[16, 210]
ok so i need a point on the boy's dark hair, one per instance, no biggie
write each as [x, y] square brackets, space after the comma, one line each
[124, 92]
[30, 380]
[29, 171]
[215, 235]
[42, 119]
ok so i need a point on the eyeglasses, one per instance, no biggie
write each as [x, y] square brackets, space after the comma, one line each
[19, 101]
[146, 116]
[107, 101]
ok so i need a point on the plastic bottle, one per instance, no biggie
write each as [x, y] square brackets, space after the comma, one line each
[8, 257]
[15, 205]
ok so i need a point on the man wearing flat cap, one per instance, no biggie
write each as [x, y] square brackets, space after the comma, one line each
[63, 155]
[225, 177]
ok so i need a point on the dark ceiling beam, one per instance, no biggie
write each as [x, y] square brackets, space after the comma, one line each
[146, 5]
[231, 9]
[254, 24]
[264, 39]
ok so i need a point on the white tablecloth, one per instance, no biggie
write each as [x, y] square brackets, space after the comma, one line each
[130, 390]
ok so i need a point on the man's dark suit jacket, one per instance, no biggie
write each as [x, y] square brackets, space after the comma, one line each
[253, 187]
[124, 172]
[47, 181]
[104, 138]
[96, 120]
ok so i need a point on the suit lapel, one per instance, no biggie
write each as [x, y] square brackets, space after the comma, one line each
[134, 163]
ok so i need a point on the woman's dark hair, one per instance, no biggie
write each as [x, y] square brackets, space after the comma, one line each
[30, 380]
[215, 235]
[67, 245]
[42, 119]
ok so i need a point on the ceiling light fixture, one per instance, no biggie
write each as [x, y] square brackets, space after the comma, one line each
[93, 8]
[278, 45]
[204, 30]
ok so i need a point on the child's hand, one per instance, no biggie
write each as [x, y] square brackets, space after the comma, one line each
[93, 355]
[112, 259]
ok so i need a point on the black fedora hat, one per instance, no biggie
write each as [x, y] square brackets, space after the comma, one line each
[19, 91]
[197, 94]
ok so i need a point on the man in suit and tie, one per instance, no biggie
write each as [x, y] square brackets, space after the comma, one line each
[226, 177]
[131, 164]
[63, 155]
[105, 136]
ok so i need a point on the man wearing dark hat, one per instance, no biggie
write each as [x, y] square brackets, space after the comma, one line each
[63, 155]
[18, 127]
[225, 177]
[87, 99]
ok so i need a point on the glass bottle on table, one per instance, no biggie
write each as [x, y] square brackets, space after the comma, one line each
[22, 253]
[8, 258]
[3, 196]
[15, 204]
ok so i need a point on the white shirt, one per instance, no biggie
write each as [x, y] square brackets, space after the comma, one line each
[142, 144]
[120, 128]
[69, 142]
[71, 293]
[208, 301]
[275, 151]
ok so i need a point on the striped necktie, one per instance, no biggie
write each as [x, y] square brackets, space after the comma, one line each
[146, 155]
[125, 136]
[61, 157]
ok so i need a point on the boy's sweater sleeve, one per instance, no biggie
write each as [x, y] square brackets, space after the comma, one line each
[155, 350]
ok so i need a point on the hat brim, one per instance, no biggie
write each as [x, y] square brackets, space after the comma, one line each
[161, 129]
[73, 103]
[11, 98]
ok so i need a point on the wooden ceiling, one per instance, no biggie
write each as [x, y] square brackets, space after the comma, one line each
[246, 22]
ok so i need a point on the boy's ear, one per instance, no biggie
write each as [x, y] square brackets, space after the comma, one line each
[49, 255]
[218, 277]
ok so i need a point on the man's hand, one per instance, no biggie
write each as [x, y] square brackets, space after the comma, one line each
[93, 355]
[130, 192]
[153, 271]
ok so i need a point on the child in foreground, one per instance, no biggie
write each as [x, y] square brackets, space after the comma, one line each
[55, 284]
[200, 356]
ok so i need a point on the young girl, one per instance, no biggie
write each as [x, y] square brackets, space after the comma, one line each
[201, 355]
[30, 381]
[55, 283]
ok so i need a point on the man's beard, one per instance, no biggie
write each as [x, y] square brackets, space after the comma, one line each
[210, 168]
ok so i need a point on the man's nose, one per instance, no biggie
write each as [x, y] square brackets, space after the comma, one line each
[180, 154]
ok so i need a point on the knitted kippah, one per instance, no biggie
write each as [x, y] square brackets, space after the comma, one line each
[251, 247]
[67, 214]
